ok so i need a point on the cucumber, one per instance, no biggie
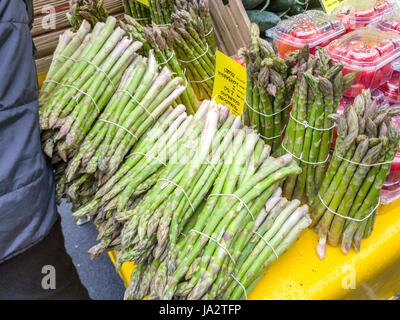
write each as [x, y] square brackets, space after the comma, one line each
[251, 4]
[296, 9]
[281, 5]
[265, 19]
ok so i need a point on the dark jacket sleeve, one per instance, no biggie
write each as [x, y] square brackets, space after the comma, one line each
[27, 192]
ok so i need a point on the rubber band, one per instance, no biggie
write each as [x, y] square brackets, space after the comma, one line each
[148, 156]
[163, 25]
[237, 198]
[186, 80]
[176, 185]
[364, 164]
[241, 285]
[271, 138]
[267, 115]
[193, 60]
[350, 218]
[86, 94]
[135, 100]
[209, 32]
[268, 244]
[165, 62]
[306, 125]
[140, 19]
[304, 161]
[119, 126]
[192, 81]
[216, 241]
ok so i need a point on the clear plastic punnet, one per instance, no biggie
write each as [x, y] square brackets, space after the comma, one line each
[368, 51]
[313, 27]
[391, 88]
[356, 14]
[391, 23]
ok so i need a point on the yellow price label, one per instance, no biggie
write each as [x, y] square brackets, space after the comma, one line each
[330, 5]
[230, 83]
[145, 2]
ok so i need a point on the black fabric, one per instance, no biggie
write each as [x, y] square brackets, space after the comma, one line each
[21, 277]
[27, 191]
[29, 8]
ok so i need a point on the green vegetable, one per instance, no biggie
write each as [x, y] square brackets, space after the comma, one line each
[280, 5]
[264, 19]
[251, 4]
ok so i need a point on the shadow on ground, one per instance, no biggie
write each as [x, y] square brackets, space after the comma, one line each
[99, 275]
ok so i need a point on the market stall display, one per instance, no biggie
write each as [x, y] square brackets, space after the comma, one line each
[368, 51]
[346, 206]
[200, 200]
[313, 28]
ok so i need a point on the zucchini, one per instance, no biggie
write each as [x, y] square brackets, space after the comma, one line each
[264, 19]
[251, 4]
[281, 5]
[296, 9]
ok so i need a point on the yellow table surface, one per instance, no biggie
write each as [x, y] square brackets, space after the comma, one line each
[373, 273]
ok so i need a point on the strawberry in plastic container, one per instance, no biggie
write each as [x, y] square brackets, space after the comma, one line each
[368, 51]
[391, 188]
[313, 27]
[356, 14]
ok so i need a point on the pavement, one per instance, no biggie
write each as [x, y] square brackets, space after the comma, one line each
[99, 275]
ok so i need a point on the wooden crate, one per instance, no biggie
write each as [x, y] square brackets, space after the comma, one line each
[46, 39]
[231, 25]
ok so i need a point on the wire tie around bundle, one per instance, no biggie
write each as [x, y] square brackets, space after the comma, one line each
[346, 217]
[267, 115]
[364, 164]
[242, 203]
[201, 81]
[267, 243]
[138, 103]
[163, 25]
[148, 156]
[99, 69]
[306, 125]
[86, 94]
[178, 186]
[193, 60]
[168, 60]
[119, 126]
[301, 157]
[240, 284]
[209, 32]
[271, 138]
[217, 241]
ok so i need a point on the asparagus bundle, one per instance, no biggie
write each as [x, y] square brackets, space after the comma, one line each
[161, 11]
[270, 86]
[194, 44]
[154, 37]
[89, 10]
[81, 87]
[348, 200]
[235, 203]
[137, 174]
[158, 220]
[142, 98]
[318, 90]
[137, 11]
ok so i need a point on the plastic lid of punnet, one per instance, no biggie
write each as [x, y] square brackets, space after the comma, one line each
[365, 49]
[363, 11]
[311, 27]
[391, 23]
